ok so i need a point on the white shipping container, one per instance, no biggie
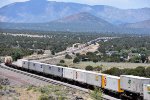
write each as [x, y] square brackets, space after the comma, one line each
[94, 78]
[32, 66]
[25, 64]
[79, 75]
[111, 83]
[133, 83]
[39, 67]
[146, 93]
[68, 73]
[57, 70]
[48, 69]
[19, 63]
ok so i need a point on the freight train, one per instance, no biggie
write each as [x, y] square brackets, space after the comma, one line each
[125, 85]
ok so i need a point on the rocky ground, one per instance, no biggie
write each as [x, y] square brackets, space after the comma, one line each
[14, 86]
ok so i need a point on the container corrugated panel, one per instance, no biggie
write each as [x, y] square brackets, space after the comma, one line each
[19, 63]
[68, 73]
[79, 75]
[93, 78]
[48, 69]
[58, 71]
[39, 66]
[25, 64]
[112, 83]
[133, 83]
[146, 93]
[32, 66]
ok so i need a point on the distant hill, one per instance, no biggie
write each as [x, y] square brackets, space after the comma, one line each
[83, 18]
[46, 11]
[82, 21]
[142, 24]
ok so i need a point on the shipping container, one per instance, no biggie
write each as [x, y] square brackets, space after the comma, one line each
[39, 66]
[93, 78]
[48, 69]
[58, 71]
[32, 66]
[79, 75]
[133, 83]
[25, 64]
[68, 73]
[19, 62]
[146, 93]
[112, 83]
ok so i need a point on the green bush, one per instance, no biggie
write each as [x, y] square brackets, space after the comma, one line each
[76, 60]
[30, 87]
[98, 68]
[43, 97]
[68, 56]
[138, 71]
[44, 90]
[62, 61]
[1, 87]
[95, 60]
[96, 94]
[62, 65]
[90, 68]
[147, 72]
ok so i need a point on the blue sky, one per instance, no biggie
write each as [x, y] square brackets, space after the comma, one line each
[124, 4]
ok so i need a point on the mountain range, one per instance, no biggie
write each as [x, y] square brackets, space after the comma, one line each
[66, 16]
[142, 24]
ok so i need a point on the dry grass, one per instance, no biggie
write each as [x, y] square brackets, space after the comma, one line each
[105, 65]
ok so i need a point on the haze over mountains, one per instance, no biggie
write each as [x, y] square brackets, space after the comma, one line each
[68, 16]
[142, 24]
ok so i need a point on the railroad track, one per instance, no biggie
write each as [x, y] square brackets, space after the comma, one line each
[55, 82]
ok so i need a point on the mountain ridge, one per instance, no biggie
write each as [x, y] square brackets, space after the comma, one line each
[45, 11]
[141, 24]
[83, 17]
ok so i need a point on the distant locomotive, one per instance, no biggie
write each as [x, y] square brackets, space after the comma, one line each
[128, 85]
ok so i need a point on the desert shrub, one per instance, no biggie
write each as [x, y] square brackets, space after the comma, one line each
[90, 68]
[76, 60]
[68, 56]
[98, 68]
[62, 61]
[44, 90]
[138, 71]
[62, 65]
[147, 71]
[96, 94]
[30, 87]
[43, 97]
[95, 60]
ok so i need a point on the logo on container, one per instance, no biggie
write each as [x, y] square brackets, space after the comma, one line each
[129, 82]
